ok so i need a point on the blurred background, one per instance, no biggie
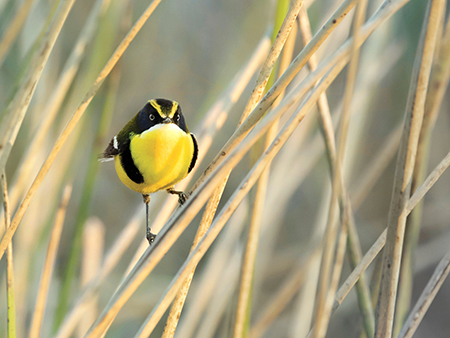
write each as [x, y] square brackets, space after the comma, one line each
[191, 51]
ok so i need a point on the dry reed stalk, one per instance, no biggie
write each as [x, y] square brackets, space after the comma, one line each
[93, 243]
[281, 193]
[247, 275]
[322, 105]
[378, 245]
[351, 280]
[290, 73]
[212, 204]
[206, 140]
[380, 161]
[212, 123]
[324, 111]
[431, 179]
[220, 301]
[112, 257]
[438, 83]
[210, 279]
[233, 202]
[14, 28]
[380, 242]
[10, 289]
[49, 264]
[73, 122]
[274, 53]
[29, 159]
[178, 303]
[279, 86]
[17, 109]
[426, 298]
[370, 255]
[404, 170]
[279, 300]
[181, 219]
[384, 13]
[305, 308]
[327, 288]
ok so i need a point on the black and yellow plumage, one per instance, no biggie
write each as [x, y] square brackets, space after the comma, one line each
[154, 150]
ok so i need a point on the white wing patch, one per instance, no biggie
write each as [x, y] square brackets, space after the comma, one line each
[106, 159]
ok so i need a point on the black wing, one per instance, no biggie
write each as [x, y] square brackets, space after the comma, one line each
[111, 151]
[194, 157]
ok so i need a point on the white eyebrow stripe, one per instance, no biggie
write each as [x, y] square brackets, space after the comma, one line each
[116, 144]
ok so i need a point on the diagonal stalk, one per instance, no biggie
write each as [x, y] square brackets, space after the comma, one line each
[10, 289]
[16, 111]
[404, 170]
[72, 123]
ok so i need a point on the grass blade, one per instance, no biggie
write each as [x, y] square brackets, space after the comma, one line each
[47, 271]
[404, 170]
[11, 316]
[73, 122]
[16, 111]
[14, 29]
[426, 298]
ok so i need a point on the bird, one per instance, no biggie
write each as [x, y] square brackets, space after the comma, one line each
[153, 152]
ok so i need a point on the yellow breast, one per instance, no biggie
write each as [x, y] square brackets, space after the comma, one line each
[162, 154]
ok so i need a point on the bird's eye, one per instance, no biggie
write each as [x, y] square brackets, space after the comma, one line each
[151, 117]
[177, 118]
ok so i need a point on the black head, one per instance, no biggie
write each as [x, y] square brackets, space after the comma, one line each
[160, 111]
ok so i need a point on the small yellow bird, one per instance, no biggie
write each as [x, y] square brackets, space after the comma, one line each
[154, 151]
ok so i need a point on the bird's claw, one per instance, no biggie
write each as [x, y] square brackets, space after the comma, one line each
[150, 237]
[182, 197]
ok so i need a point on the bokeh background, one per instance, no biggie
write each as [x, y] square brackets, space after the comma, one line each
[190, 51]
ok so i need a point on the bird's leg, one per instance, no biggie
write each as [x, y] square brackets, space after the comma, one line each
[182, 197]
[150, 236]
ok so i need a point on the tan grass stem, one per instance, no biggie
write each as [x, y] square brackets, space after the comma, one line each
[339, 194]
[112, 257]
[428, 183]
[17, 109]
[181, 219]
[280, 85]
[404, 169]
[49, 264]
[212, 204]
[93, 243]
[14, 28]
[269, 64]
[219, 301]
[426, 298]
[73, 122]
[380, 161]
[438, 83]
[244, 299]
[378, 245]
[211, 278]
[212, 123]
[10, 289]
[370, 255]
[279, 301]
[29, 159]
[234, 201]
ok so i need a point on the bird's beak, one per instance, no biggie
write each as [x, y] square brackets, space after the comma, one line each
[167, 120]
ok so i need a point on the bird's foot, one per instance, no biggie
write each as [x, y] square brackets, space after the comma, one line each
[182, 197]
[146, 198]
[150, 237]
